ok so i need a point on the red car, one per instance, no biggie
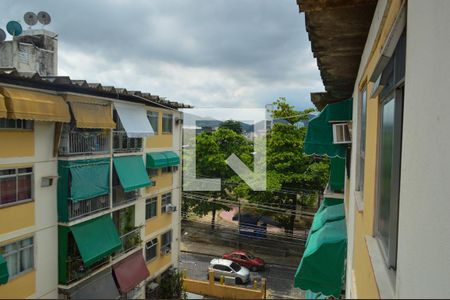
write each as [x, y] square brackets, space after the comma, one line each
[246, 259]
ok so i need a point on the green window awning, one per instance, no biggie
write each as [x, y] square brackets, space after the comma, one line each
[321, 269]
[4, 274]
[172, 158]
[89, 178]
[337, 174]
[156, 160]
[319, 136]
[96, 239]
[131, 172]
[329, 214]
[326, 202]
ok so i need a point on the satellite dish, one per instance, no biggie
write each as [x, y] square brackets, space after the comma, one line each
[2, 35]
[30, 18]
[14, 28]
[44, 18]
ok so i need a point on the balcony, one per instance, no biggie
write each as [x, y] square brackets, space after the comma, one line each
[88, 207]
[130, 240]
[121, 197]
[81, 142]
[76, 269]
[123, 144]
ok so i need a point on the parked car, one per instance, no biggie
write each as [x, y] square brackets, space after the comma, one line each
[229, 268]
[246, 259]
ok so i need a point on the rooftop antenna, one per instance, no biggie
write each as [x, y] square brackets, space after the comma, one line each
[44, 18]
[14, 28]
[30, 19]
[2, 36]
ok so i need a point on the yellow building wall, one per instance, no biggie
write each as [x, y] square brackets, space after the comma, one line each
[159, 222]
[20, 287]
[162, 181]
[160, 140]
[16, 143]
[160, 262]
[366, 286]
[16, 217]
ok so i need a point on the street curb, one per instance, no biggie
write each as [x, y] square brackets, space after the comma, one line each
[211, 255]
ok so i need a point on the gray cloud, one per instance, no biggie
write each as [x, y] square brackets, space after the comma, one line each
[203, 52]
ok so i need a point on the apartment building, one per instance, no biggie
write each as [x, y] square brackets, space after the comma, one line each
[90, 184]
[390, 58]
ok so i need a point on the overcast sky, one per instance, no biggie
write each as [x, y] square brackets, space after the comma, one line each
[208, 53]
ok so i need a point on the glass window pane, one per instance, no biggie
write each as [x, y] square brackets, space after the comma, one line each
[385, 175]
[12, 263]
[26, 259]
[8, 190]
[24, 187]
[153, 118]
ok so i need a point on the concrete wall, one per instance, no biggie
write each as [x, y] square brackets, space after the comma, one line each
[424, 227]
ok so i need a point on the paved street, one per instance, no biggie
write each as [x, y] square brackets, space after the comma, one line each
[280, 279]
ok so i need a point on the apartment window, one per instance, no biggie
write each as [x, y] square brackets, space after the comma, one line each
[16, 124]
[166, 170]
[166, 241]
[362, 138]
[150, 249]
[15, 185]
[152, 172]
[389, 143]
[166, 199]
[153, 117]
[19, 256]
[167, 123]
[150, 207]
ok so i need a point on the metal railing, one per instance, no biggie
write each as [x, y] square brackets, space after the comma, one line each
[121, 197]
[87, 207]
[122, 143]
[77, 270]
[83, 142]
[130, 240]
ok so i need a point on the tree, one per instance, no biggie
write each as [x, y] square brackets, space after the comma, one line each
[232, 125]
[171, 286]
[212, 151]
[288, 169]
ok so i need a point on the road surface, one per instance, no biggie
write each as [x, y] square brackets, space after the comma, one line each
[280, 279]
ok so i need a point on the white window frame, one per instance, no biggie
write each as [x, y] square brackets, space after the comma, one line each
[165, 118]
[164, 198]
[152, 114]
[153, 199]
[153, 244]
[166, 245]
[18, 252]
[17, 174]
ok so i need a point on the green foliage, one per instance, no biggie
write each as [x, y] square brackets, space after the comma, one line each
[232, 125]
[286, 111]
[171, 286]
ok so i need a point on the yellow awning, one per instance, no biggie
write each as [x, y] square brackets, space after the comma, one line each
[91, 115]
[2, 107]
[33, 105]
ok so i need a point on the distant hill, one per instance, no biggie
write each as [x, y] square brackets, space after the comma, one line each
[215, 123]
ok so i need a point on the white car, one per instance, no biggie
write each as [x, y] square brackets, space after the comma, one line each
[229, 268]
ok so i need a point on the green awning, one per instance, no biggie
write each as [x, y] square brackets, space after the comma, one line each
[172, 158]
[4, 274]
[319, 136]
[311, 295]
[321, 269]
[337, 174]
[131, 172]
[89, 178]
[326, 202]
[96, 239]
[329, 214]
[156, 160]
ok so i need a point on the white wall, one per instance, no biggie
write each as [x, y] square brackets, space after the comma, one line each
[424, 222]
[46, 233]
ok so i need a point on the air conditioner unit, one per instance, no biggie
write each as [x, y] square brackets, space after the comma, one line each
[166, 250]
[341, 134]
[170, 208]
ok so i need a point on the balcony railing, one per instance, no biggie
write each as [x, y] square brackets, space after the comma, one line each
[122, 143]
[83, 142]
[130, 240]
[87, 207]
[77, 270]
[121, 197]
